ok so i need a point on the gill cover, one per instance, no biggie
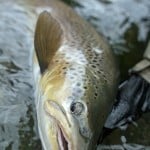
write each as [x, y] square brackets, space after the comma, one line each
[48, 35]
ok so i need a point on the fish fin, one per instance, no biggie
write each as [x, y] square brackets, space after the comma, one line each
[47, 40]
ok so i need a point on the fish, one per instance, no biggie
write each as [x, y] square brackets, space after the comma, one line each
[74, 70]
[77, 80]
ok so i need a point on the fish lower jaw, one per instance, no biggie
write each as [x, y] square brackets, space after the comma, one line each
[63, 141]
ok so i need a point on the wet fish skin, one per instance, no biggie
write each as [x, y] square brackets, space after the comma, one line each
[78, 79]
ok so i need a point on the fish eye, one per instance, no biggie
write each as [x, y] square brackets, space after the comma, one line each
[77, 108]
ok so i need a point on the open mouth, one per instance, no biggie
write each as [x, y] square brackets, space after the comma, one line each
[63, 143]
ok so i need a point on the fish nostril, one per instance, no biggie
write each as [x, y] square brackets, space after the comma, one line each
[77, 108]
[84, 132]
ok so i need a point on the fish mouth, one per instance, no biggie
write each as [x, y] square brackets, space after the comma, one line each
[62, 140]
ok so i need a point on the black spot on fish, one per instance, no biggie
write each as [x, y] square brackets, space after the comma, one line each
[85, 87]
[78, 84]
[64, 68]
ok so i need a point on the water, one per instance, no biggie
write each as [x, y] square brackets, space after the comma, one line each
[18, 128]
[124, 23]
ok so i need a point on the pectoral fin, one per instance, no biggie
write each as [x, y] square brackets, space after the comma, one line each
[48, 37]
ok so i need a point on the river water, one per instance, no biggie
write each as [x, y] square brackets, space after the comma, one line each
[126, 25]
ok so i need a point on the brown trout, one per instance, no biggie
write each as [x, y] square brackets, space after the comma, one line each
[77, 80]
[74, 70]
